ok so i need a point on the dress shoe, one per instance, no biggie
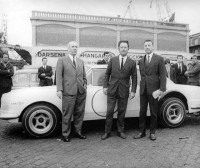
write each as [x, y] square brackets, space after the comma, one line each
[80, 136]
[105, 136]
[121, 135]
[153, 137]
[66, 139]
[139, 135]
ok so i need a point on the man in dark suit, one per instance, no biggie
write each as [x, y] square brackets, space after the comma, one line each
[44, 73]
[6, 73]
[193, 72]
[170, 71]
[71, 88]
[116, 87]
[152, 84]
[180, 70]
[106, 58]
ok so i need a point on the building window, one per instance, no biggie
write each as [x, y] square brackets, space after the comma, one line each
[98, 37]
[196, 41]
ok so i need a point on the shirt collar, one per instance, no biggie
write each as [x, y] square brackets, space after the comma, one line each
[150, 56]
[71, 57]
[125, 57]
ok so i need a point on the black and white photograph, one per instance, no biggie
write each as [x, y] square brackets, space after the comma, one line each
[99, 84]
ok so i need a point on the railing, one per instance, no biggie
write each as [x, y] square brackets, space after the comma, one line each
[102, 19]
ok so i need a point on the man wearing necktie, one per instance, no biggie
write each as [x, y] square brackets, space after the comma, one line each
[71, 88]
[180, 70]
[116, 87]
[153, 78]
[45, 73]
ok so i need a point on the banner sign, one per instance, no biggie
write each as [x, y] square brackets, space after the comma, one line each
[91, 57]
[51, 53]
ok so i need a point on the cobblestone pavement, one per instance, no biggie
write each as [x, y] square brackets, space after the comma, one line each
[174, 148]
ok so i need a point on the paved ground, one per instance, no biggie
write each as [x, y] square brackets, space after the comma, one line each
[174, 148]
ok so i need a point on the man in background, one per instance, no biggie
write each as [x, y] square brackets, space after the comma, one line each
[44, 73]
[180, 69]
[170, 71]
[193, 72]
[6, 73]
[106, 58]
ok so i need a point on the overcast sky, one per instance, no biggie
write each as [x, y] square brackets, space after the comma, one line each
[19, 13]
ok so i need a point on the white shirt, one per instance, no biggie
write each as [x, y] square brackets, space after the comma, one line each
[120, 60]
[180, 66]
[44, 66]
[150, 56]
[71, 57]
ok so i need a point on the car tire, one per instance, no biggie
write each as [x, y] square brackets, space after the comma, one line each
[172, 112]
[40, 120]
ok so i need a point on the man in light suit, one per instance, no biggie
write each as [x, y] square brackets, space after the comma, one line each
[116, 87]
[44, 73]
[71, 88]
[153, 78]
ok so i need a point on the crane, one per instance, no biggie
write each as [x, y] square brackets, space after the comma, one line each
[160, 5]
[129, 9]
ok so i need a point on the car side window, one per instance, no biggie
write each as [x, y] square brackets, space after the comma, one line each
[34, 77]
[98, 77]
[22, 78]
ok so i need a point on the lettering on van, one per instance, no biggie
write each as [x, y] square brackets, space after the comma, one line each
[51, 53]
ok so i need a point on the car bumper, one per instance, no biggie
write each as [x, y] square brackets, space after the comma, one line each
[8, 114]
[194, 105]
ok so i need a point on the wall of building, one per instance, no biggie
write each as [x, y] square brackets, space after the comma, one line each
[98, 34]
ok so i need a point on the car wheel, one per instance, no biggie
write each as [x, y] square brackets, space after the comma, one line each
[172, 112]
[40, 120]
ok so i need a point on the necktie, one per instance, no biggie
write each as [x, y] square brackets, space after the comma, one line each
[179, 68]
[44, 67]
[122, 63]
[74, 62]
[148, 59]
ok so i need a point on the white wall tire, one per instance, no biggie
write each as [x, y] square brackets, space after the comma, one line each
[40, 120]
[172, 112]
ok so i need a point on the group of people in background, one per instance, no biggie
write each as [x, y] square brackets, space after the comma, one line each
[179, 73]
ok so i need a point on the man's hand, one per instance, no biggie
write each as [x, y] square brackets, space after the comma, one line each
[186, 73]
[105, 90]
[47, 77]
[85, 86]
[59, 94]
[161, 93]
[43, 74]
[132, 95]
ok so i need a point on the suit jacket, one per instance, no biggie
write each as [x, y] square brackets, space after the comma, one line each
[172, 74]
[194, 73]
[6, 73]
[70, 79]
[153, 77]
[48, 73]
[117, 79]
[181, 78]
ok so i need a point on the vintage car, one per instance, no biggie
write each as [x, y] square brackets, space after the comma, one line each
[39, 109]
[25, 78]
